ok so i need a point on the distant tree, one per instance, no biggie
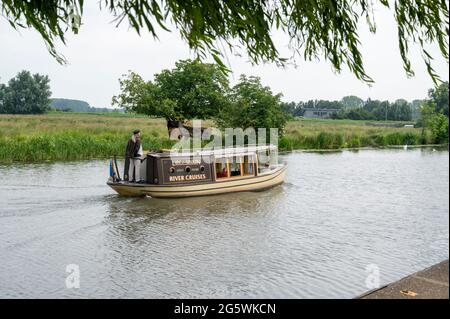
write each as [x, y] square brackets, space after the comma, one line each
[2, 98]
[415, 104]
[415, 108]
[353, 114]
[191, 90]
[400, 110]
[382, 112]
[299, 109]
[324, 104]
[436, 122]
[439, 97]
[27, 94]
[352, 102]
[252, 105]
[371, 105]
[434, 113]
[315, 28]
[289, 108]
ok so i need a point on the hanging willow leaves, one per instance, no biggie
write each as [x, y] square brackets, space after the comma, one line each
[326, 29]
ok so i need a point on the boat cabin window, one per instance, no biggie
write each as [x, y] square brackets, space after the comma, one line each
[267, 160]
[221, 168]
[248, 165]
[235, 167]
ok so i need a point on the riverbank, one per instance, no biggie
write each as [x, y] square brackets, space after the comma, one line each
[431, 283]
[73, 136]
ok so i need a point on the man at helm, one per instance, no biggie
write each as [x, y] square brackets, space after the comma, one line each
[133, 157]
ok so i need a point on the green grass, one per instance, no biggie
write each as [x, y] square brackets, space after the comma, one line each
[71, 136]
[336, 134]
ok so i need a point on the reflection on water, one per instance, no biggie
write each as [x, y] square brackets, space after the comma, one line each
[311, 237]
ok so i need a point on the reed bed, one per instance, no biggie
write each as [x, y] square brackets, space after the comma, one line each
[337, 134]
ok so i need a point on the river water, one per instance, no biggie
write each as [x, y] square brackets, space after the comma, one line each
[341, 222]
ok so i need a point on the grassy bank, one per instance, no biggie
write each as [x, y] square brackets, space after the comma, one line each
[336, 134]
[69, 136]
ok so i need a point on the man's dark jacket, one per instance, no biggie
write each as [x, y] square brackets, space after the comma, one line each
[132, 148]
[131, 151]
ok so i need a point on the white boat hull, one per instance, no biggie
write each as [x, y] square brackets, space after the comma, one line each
[252, 183]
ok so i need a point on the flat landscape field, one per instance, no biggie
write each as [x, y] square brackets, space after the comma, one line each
[71, 136]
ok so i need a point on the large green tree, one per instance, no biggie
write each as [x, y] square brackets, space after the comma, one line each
[26, 94]
[327, 29]
[252, 105]
[191, 90]
[439, 98]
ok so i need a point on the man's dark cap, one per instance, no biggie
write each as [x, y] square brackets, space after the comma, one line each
[136, 131]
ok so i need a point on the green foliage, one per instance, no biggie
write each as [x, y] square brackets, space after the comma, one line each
[316, 28]
[348, 108]
[437, 123]
[354, 108]
[298, 109]
[25, 94]
[252, 105]
[70, 145]
[72, 136]
[439, 128]
[338, 140]
[191, 90]
[3, 89]
[353, 114]
[434, 111]
[352, 102]
[439, 97]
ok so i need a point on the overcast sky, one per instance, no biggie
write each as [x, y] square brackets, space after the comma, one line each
[101, 53]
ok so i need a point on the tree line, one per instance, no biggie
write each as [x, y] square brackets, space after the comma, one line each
[196, 90]
[25, 93]
[28, 93]
[354, 108]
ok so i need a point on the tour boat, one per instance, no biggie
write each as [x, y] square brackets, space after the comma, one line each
[203, 172]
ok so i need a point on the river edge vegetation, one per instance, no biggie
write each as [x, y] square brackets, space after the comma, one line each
[151, 105]
[77, 136]
[193, 90]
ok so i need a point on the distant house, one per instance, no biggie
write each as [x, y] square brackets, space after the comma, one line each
[318, 113]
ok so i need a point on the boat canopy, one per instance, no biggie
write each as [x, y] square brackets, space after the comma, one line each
[219, 152]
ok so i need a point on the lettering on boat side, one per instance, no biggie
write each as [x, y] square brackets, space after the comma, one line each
[232, 308]
[185, 170]
[182, 178]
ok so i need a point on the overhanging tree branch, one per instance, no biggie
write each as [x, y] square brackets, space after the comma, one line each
[326, 29]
